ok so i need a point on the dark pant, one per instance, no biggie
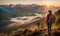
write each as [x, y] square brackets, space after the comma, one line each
[49, 28]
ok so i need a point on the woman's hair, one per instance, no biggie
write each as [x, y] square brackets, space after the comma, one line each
[50, 11]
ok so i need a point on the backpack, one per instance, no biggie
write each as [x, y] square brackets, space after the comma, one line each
[51, 19]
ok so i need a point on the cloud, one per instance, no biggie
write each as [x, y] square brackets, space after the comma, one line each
[27, 1]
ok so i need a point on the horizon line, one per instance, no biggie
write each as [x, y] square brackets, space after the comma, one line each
[30, 4]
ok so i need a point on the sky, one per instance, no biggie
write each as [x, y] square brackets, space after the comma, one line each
[39, 2]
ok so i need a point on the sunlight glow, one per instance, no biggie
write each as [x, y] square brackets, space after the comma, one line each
[48, 3]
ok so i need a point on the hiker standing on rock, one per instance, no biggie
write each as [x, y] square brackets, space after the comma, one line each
[50, 19]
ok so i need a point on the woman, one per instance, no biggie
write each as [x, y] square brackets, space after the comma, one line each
[50, 19]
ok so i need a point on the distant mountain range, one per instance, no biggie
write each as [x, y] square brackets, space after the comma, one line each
[25, 10]
[6, 10]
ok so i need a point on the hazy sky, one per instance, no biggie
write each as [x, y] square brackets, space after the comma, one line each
[40, 2]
